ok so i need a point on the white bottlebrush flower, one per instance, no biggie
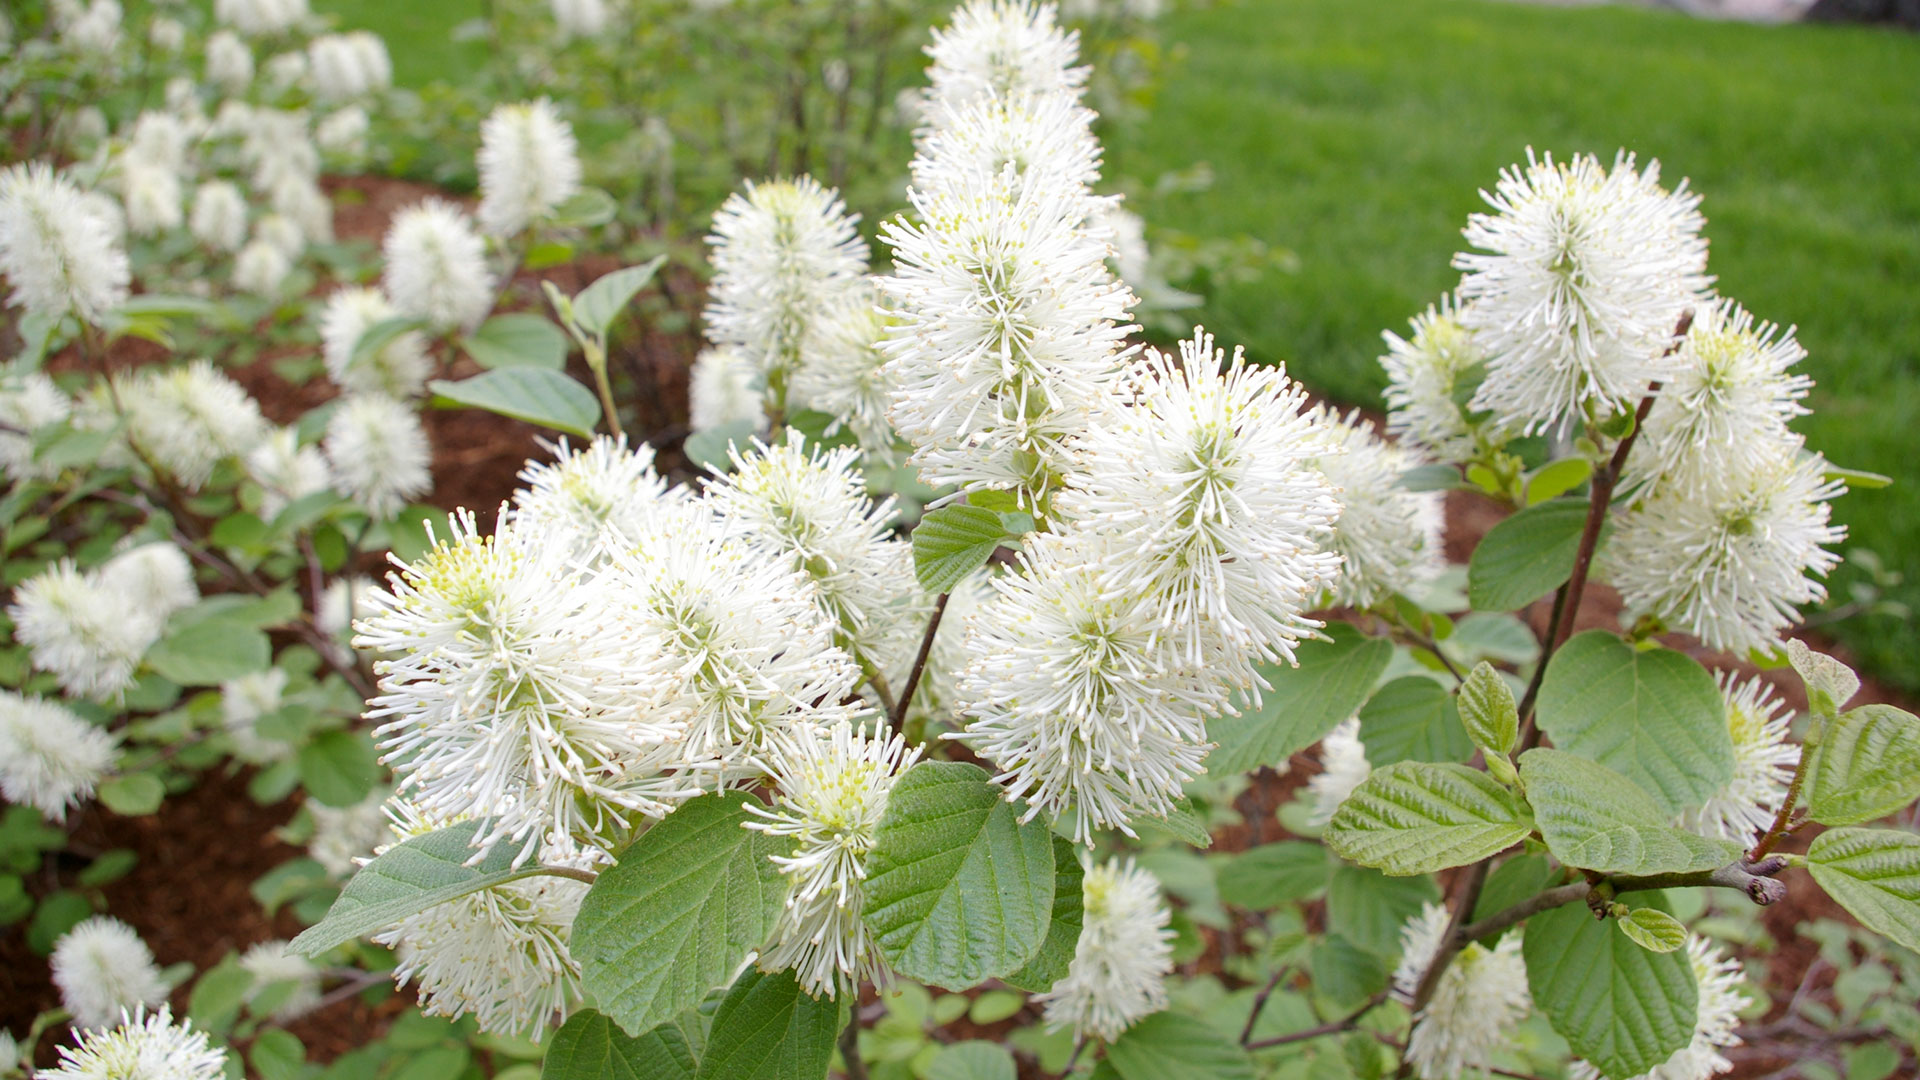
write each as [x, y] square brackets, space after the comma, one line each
[187, 419]
[1122, 959]
[344, 600]
[811, 510]
[597, 496]
[284, 71]
[1218, 513]
[1066, 692]
[260, 18]
[375, 62]
[151, 194]
[261, 268]
[344, 837]
[1389, 539]
[219, 218]
[93, 29]
[747, 652]
[580, 18]
[1582, 275]
[1009, 333]
[81, 631]
[29, 403]
[102, 969]
[499, 954]
[276, 146]
[159, 139]
[1763, 762]
[1723, 997]
[1047, 138]
[1343, 767]
[282, 233]
[784, 253]
[845, 372]
[1477, 1002]
[286, 471]
[155, 578]
[1725, 409]
[378, 453]
[229, 63]
[272, 965]
[57, 253]
[144, 1046]
[832, 793]
[1730, 566]
[166, 35]
[50, 759]
[300, 200]
[398, 369]
[723, 390]
[1003, 49]
[437, 267]
[335, 67]
[515, 691]
[1422, 372]
[344, 133]
[243, 702]
[529, 164]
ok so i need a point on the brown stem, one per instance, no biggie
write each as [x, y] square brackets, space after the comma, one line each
[905, 700]
[1780, 828]
[1332, 1027]
[1259, 1003]
[850, 1047]
[1754, 879]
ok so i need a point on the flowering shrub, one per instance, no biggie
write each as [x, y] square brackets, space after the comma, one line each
[981, 602]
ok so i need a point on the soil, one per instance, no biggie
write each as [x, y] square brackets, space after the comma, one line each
[189, 896]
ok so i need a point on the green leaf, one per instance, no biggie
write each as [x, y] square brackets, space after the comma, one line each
[339, 768]
[972, 1060]
[1172, 1046]
[218, 994]
[952, 542]
[1487, 709]
[709, 449]
[109, 867]
[600, 303]
[1330, 684]
[1344, 973]
[135, 795]
[521, 339]
[1653, 930]
[277, 1054]
[1830, 683]
[958, 890]
[535, 395]
[407, 879]
[1654, 716]
[585, 209]
[1267, 876]
[1413, 719]
[58, 913]
[1050, 964]
[1514, 880]
[1369, 908]
[589, 1046]
[209, 652]
[674, 918]
[1875, 874]
[1430, 478]
[68, 447]
[1556, 479]
[1622, 1008]
[1858, 479]
[1866, 767]
[380, 335]
[1596, 819]
[1415, 817]
[1526, 556]
[767, 1028]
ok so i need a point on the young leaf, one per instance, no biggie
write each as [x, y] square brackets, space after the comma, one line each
[600, 303]
[1413, 718]
[1867, 766]
[1655, 716]
[1596, 819]
[408, 879]
[535, 395]
[520, 339]
[1331, 682]
[1622, 1008]
[1172, 1046]
[679, 912]
[1653, 930]
[1488, 711]
[952, 542]
[1830, 683]
[584, 209]
[1415, 818]
[958, 890]
[1557, 478]
[1874, 873]
[767, 1028]
[1526, 556]
[589, 1046]
[1050, 964]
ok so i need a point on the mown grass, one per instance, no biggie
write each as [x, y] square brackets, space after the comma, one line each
[1358, 135]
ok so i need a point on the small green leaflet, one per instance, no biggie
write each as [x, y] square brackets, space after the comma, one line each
[535, 395]
[952, 542]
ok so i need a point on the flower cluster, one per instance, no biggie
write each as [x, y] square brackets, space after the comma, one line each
[1123, 956]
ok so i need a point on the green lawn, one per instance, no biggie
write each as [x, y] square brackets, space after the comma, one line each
[1357, 133]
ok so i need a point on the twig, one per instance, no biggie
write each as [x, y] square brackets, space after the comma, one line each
[586, 876]
[1332, 1027]
[1816, 733]
[850, 1047]
[1754, 879]
[1079, 1045]
[1259, 1003]
[348, 989]
[919, 663]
